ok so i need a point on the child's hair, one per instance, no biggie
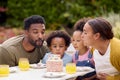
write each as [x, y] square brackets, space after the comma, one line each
[60, 34]
[78, 26]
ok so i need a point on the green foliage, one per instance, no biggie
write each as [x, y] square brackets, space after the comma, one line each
[114, 19]
[58, 13]
[116, 30]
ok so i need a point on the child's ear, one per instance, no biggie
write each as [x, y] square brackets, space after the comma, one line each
[66, 47]
[50, 48]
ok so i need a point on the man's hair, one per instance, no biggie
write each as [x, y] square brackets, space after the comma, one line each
[33, 20]
[59, 34]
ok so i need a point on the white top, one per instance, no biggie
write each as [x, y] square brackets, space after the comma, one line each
[103, 64]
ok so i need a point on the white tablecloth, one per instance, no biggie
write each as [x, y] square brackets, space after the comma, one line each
[38, 74]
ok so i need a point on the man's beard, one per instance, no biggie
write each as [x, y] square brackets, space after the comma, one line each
[36, 43]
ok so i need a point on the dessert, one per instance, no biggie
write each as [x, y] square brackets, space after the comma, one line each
[54, 64]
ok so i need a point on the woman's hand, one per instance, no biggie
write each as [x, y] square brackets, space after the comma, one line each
[102, 76]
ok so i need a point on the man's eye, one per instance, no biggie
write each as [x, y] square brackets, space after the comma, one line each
[42, 32]
[35, 32]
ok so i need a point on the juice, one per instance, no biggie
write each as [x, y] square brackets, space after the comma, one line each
[24, 64]
[70, 68]
[4, 70]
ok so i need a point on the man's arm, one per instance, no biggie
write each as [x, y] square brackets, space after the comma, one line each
[5, 57]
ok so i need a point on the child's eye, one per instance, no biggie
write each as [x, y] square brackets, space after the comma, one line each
[54, 46]
[78, 40]
[61, 46]
[72, 40]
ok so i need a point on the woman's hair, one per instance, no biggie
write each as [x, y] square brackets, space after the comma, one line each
[60, 34]
[102, 26]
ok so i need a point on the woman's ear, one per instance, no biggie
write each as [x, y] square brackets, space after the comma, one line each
[96, 36]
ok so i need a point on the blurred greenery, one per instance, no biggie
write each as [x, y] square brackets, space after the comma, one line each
[58, 13]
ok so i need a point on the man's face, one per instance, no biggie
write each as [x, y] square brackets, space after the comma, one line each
[36, 34]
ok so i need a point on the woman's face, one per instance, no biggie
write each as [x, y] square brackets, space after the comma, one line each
[58, 46]
[88, 36]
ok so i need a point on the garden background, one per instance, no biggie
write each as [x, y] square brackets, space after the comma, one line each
[59, 14]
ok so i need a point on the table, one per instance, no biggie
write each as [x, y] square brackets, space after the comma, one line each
[38, 74]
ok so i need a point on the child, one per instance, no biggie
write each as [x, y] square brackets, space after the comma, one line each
[58, 41]
[82, 56]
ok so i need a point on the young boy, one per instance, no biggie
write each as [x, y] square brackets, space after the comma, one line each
[58, 41]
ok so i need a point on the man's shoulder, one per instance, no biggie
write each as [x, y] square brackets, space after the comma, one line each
[12, 41]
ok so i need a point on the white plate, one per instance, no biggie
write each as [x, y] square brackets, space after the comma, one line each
[84, 68]
[54, 74]
[13, 69]
[37, 66]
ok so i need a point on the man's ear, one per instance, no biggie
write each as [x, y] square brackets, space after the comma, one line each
[96, 36]
[26, 32]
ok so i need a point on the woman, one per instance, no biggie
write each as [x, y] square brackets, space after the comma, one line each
[98, 34]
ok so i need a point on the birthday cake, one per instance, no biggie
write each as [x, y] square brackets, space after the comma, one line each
[54, 64]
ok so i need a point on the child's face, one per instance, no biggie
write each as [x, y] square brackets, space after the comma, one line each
[77, 40]
[58, 46]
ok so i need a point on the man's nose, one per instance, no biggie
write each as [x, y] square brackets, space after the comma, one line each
[40, 35]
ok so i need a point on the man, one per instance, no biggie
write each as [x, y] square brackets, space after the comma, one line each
[29, 45]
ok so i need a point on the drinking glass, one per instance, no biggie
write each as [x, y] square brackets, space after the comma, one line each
[70, 68]
[24, 64]
[4, 70]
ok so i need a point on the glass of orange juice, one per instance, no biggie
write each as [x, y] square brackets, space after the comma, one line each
[24, 64]
[70, 68]
[4, 70]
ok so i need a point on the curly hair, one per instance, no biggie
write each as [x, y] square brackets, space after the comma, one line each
[60, 34]
[78, 26]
